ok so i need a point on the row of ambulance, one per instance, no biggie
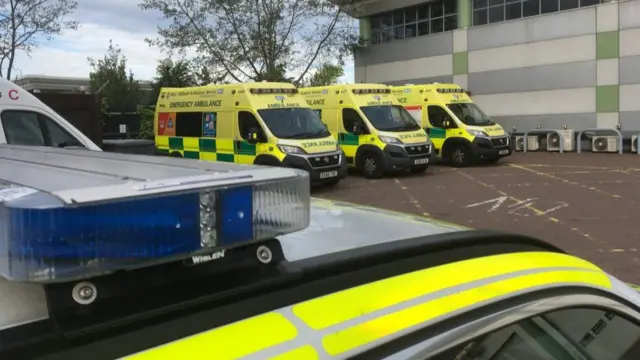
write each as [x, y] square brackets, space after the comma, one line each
[326, 130]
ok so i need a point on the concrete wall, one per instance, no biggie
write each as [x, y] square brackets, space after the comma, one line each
[579, 67]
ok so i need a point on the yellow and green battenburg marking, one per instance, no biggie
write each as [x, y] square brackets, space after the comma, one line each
[207, 146]
[348, 139]
[437, 133]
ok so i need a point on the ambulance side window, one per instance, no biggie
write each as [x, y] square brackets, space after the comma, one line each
[437, 115]
[352, 121]
[31, 128]
[189, 124]
[568, 334]
[246, 122]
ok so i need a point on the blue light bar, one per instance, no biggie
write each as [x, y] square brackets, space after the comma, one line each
[43, 239]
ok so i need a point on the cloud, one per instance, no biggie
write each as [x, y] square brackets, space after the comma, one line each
[119, 20]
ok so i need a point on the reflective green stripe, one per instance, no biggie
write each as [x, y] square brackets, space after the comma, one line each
[176, 143]
[348, 139]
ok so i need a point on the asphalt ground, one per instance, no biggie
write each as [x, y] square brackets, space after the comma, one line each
[587, 204]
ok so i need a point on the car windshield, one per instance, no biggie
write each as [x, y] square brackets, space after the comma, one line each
[470, 114]
[390, 118]
[294, 123]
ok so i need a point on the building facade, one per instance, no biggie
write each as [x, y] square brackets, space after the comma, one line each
[527, 63]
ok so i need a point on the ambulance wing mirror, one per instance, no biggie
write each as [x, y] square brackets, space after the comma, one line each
[446, 124]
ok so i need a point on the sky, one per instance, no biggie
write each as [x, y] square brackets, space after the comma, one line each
[120, 20]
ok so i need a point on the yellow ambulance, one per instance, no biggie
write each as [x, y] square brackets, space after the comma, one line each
[375, 132]
[460, 131]
[253, 123]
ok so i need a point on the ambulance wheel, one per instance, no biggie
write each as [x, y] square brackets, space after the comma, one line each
[371, 165]
[175, 154]
[419, 170]
[460, 155]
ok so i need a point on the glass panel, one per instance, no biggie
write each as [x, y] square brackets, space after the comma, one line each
[513, 11]
[423, 28]
[569, 4]
[496, 2]
[376, 22]
[436, 9]
[437, 25]
[410, 15]
[589, 2]
[398, 17]
[496, 14]
[386, 20]
[450, 7]
[478, 4]
[398, 32]
[480, 17]
[410, 30]
[375, 36]
[548, 6]
[423, 12]
[530, 8]
[450, 22]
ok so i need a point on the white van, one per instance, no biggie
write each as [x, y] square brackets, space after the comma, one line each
[25, 120]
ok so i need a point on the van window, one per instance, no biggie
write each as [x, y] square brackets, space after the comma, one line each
[351, 120]
[247, 121]
[437, 115]
[31, 128]
[189, 124]
[569, 334]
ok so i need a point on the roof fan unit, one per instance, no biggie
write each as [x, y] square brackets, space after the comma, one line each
[553, 140]
[604, 144]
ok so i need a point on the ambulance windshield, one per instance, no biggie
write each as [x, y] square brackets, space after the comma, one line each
[470, 114]
[390, 118]
[294, 123]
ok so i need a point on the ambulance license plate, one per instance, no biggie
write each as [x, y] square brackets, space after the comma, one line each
[421, 161]
[328, 174]
[503, 152]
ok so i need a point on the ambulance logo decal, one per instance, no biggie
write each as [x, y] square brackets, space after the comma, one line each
[280, 98]
[376, 97]
[325, 92]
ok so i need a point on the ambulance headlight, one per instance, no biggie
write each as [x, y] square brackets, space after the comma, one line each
[287, 149]
[477, 133]
[390, 140]
[43, 239]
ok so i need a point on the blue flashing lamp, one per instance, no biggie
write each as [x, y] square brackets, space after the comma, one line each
[43, 239]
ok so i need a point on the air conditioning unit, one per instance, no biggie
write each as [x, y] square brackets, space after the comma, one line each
[553, 140]
[634, 143]
[532, 143]
[604, 144]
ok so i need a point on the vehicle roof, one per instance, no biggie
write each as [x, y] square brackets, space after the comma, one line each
[249, 85]
[344, 87]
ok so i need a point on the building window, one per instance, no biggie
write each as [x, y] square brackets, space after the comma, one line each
[494, 11]
[424, 19]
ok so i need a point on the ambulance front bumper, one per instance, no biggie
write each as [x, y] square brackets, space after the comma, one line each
[492, 148]
[408, 156]
[325, 167]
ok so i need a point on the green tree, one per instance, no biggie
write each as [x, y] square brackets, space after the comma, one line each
[251, 40]
[179, 75]
[113, 83]
[327, 74]
[24, 24]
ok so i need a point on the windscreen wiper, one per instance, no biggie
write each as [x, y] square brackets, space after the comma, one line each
[69, 143]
